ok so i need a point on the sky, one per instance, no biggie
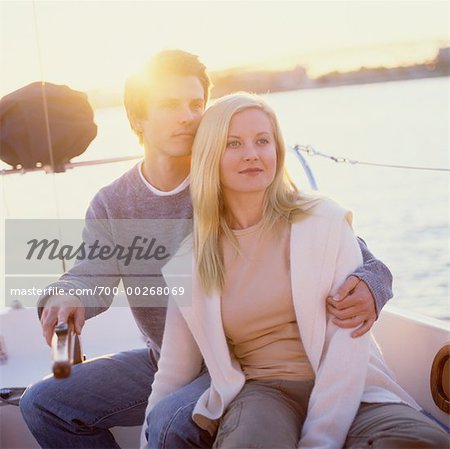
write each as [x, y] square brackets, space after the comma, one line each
[93, 44]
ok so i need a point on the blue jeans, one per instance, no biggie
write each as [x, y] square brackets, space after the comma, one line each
[170, 424]
[78, 412]
[101, 393]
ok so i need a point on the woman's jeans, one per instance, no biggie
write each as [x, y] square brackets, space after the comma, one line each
[270, 414]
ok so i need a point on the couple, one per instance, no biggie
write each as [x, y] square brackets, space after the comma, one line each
[266, 260]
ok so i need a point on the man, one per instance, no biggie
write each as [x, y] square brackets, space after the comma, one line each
[164, 105]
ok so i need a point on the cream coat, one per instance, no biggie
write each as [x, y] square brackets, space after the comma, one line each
[323, 252]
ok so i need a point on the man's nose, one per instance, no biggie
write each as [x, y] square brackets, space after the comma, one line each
[185, 115]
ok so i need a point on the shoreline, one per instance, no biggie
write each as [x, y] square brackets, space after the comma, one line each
[297, 78]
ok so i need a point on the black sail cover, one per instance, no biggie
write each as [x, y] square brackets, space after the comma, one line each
[24, 138]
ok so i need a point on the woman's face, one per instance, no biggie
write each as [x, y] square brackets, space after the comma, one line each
[249, 162]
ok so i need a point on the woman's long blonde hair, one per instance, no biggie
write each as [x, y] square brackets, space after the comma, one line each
[282, 199]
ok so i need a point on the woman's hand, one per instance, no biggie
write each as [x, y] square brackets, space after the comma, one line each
[353, 305]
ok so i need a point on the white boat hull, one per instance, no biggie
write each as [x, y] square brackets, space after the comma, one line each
[408, 342]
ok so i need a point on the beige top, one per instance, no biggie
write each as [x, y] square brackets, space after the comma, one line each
[324, 251]
[257, 309]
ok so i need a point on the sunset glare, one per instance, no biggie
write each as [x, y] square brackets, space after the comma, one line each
[93, 44]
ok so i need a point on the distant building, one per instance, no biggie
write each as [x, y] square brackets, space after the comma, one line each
[264, 81]
[443, 60]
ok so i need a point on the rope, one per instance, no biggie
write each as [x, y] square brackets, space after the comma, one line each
[311, 151]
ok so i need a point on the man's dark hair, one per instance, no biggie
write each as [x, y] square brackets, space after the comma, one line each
[139, 86]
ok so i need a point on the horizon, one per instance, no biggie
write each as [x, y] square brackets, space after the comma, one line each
[92, 45]
[428, 58]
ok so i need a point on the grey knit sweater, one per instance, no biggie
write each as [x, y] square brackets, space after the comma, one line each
[126, 209]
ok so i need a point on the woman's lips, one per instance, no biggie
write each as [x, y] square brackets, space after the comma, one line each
[250, 171]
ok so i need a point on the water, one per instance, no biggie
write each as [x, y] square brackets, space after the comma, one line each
[402, 214]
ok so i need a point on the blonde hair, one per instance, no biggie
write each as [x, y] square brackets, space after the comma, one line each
[282, 199]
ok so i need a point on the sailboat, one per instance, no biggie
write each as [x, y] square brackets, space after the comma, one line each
[415, 347]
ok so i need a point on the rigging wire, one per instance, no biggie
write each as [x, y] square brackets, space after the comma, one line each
[308, 149]
[6, 211]
[70, 165]
[47, 121]
[311, 151]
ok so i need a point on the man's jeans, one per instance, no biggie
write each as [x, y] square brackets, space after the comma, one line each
[101, 393]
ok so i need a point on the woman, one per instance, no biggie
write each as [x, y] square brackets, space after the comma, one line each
[265, 258]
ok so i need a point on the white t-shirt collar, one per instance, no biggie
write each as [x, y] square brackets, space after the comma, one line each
[158, 192]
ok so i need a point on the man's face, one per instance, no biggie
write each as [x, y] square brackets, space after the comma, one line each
[173, 116]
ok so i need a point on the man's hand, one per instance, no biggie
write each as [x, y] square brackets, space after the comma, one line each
[353, 305]
[57, 310]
